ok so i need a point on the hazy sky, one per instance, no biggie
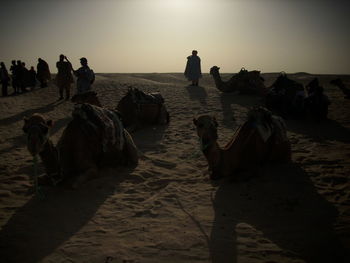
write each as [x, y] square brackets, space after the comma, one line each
[158, 35]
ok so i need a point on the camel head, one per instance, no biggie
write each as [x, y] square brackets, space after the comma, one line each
[214, 70]
[37, 130]
[206, 129]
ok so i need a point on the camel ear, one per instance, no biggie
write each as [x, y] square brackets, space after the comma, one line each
[195, 121]
[49, 123]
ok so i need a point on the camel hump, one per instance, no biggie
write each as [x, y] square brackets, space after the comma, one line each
[267, 124]
[102, 121]
[141, 97]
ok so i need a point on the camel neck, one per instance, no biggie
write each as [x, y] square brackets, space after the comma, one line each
[217, 79]
[212, 153]
[49, 157]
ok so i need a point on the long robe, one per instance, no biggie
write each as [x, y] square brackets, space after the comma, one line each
[193, 68]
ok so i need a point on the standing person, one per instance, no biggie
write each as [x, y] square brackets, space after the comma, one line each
[64, 77]
[43, 73]
[85, 77]
[4, 78]
[32, 78]
[14, 73]
[193, 68]
[25, 77]
[20, 75]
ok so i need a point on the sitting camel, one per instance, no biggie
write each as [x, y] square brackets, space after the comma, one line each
[246, 82]
[87, 97]
[138, 108]
[339, 83]
[286, 97]
[316, 103]
[262, 138]
[93, 139]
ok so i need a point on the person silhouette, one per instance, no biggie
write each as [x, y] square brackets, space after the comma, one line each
[193, 68]
[4, 78]
[32, 78]
[85, 77]
[64, 77]
[43, 72]
[15, 81]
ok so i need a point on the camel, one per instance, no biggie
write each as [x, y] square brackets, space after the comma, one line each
[94, 138]
[138, 108]
[286, 97]
[261, 139]
[316, 103]
[87, 97]
[245, 82]
[339, 83]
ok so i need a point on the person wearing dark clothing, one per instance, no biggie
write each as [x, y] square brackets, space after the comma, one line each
[25, 77]
[32, 78]
[43, 73]
[193, 68]
[64, 77]
[14, 72]
[4, 78]
[85, 77]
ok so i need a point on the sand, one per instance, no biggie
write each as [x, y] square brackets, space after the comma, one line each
[166, 209]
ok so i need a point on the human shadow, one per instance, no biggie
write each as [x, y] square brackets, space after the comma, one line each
[197, 93]
[284, 205]
[29, 112]
[320, 131]
[40, 226]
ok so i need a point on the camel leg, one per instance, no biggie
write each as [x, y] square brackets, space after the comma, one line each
[130, 150]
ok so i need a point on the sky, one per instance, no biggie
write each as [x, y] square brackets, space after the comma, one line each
[126, 36]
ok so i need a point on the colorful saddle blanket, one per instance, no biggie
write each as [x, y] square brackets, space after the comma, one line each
[104, 120]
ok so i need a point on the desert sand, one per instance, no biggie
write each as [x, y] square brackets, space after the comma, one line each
[167, 209]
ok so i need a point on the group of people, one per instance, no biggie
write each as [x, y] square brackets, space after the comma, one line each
[23, 78]
[64, 79]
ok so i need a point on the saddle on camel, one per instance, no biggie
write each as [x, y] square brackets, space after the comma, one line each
[87, 97]
[261, 139]
[138, 108]
[93, 139]
[286, 97]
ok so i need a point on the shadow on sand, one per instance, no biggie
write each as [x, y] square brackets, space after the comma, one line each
[21, 140]
[41, 226]
[320, 131]
[149, 138]
[21, 115]
[197, 93]
[282, 204]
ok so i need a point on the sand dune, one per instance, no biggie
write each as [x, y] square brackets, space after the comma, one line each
[166, 209]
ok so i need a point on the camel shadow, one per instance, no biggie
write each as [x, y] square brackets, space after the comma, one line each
[282, 204]
[39, 227]
[197, 93]
[320, 131]
[21, 115]
[150, 138]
